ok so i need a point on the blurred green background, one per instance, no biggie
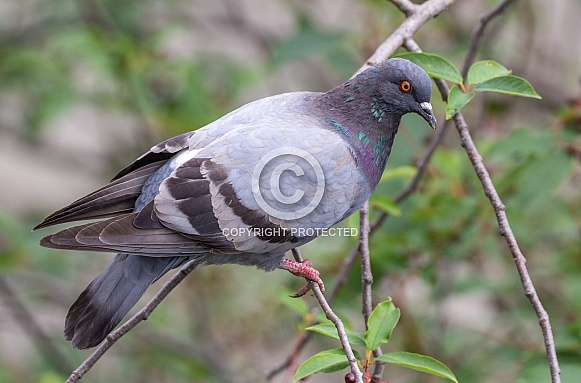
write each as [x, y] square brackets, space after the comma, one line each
[88, 85]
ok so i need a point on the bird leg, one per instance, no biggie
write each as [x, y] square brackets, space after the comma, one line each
[303, 269]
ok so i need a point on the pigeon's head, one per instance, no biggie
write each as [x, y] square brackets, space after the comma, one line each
[406, 88]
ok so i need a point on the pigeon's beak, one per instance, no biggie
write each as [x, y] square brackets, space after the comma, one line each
[427, 113]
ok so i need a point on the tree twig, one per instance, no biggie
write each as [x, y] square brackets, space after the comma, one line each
[367, 281]
[140, 316]
[336, 321]
[339, 281]
[504, 229]
[366, 274]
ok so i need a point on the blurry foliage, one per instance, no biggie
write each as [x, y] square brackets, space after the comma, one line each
[445, 236]
[170, 95]
[310, 42]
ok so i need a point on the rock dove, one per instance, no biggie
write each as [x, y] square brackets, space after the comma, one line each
[244, 189]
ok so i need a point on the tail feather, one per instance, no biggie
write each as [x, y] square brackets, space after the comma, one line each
[111, 295]
[119, 234]
[115, 198]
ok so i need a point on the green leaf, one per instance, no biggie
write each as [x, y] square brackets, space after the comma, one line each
[485, 70]
[386, 204]
[419, 363]
[381, 323]
[330, 330]
[456, 101]
[513, 85]
[324, 362]
[399, 172]
[434, 65]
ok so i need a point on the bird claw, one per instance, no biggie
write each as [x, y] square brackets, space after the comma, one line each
[302, 291]
[303, 269]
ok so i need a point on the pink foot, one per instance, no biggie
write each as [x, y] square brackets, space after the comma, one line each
[305, 270]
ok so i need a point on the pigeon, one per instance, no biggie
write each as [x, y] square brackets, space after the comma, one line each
[245, 189]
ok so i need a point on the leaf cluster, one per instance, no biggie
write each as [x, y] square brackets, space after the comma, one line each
[380, 326]
[483, 76]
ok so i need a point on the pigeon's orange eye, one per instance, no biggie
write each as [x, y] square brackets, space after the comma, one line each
[405, 86]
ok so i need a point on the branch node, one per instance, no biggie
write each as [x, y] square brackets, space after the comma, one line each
[74, 377]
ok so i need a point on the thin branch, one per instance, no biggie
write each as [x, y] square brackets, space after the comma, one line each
[32, 329]
[140, 316]
[339, 281]
[478, 33]
[336, 321]
[367, 281]
[504, 229]
[340, 330]
[366, 274]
